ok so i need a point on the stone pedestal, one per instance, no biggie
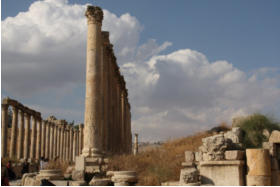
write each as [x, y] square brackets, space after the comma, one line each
[50, 174]
[259, 167]
[89, 164]
[222, 173]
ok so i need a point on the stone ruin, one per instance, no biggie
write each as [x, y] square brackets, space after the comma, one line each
[50, 138]
[222, 161]
[106, 130]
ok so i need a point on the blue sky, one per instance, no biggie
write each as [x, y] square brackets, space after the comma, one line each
[184, 62]
[246, 33]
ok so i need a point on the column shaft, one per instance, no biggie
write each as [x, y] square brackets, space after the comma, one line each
[26, 150]
[43, 138]
[74, 145]
[38, 143]
[20, 135]
[54, 141]
[92, 139]
[47, 140]
[51, 141]
[80, 138]
[33, 138]
[14, 132]
[4, 139]
[71, 145]
[58, 142]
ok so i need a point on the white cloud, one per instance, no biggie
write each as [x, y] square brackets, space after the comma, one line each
[43, 65]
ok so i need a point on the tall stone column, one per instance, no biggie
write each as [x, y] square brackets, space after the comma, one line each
[47, 155]
[54, 140]
[118, 141]
[105, 70]
[81, 129]
[135, 150]
[43, 138]
[67, 143]
[64, 142]
[4, 139]
[71, 145]
[110, 119]
[92, 140]
[51, 141]
[115, 115]
[33, 138]
[38, 144]
[123, 143]
[26, 149]
[75, 145]
[14, 132]
[61, 141]
[20, 135]
[129, 129]
[78, 142]
[58, 141]
[126, 125]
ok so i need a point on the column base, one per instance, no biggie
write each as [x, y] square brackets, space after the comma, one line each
[92, 152]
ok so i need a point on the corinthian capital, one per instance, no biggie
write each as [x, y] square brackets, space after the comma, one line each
[94, 14]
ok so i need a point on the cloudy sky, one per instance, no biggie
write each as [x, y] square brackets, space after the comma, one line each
[189, 65]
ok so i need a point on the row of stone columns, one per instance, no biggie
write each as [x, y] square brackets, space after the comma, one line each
[32, 137]
[107, 110]
[115, 113]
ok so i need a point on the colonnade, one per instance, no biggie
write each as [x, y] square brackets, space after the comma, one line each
[115, 114]
[107, 109]
[31, 137]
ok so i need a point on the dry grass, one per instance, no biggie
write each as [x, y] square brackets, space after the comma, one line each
[159, 164]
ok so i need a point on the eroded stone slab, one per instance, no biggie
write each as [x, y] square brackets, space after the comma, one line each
[234, 155]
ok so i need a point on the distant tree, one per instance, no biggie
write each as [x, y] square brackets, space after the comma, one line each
[253, 127]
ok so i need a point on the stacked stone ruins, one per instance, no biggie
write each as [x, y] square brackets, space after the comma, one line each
[51, 138]
[223, 161]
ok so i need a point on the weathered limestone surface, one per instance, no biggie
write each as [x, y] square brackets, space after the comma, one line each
[234, 155]
[259, 167]
[124, 178]
[14, 132]
[33, 138]
[50, 174]
[274, 137]
[38, 141]
[4, 121]
[20, 135]
[222, 173]
[135, 150]
[92, 139]
[26, 136]
[258, 161]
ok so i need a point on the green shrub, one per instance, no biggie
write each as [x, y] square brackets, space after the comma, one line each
[253, 127]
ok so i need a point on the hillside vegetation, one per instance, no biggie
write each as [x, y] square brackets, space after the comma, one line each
[159, 164]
